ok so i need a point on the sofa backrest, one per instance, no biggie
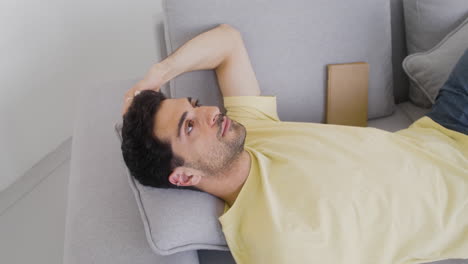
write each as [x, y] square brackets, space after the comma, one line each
[291, 42]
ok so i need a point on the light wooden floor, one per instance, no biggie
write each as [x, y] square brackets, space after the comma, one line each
[32, 212]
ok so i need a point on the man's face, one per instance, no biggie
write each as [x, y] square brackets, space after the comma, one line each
[199, 141]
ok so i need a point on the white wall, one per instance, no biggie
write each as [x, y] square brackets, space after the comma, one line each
[51, 48]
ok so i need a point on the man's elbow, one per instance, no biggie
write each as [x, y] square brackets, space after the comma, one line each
[231, 30]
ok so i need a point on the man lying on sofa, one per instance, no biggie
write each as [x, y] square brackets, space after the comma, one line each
[303, 192]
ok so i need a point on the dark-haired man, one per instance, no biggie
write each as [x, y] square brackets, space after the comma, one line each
[303, 192]
[203, 138]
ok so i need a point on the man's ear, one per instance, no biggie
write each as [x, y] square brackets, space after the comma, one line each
[184, 176]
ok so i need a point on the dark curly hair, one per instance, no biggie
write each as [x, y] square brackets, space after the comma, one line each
[149, 159]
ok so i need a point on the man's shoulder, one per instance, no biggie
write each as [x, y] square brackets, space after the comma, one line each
[243, 108]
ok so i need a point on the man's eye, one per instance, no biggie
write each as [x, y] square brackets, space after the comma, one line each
[190, 125]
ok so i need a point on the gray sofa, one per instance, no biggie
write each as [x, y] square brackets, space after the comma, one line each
[103, 222]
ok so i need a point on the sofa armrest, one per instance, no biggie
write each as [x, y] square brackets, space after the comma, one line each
[103, 223]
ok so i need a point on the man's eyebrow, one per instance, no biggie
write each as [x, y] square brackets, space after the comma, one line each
[182, 118]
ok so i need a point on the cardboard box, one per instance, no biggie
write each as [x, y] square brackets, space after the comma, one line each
[347, 94]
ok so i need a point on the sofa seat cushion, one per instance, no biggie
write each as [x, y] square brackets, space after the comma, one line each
[405, 114]
[103, 223]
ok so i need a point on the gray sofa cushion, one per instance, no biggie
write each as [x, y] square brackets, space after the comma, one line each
[429, 70]
[177, 220]
[427, 22]
[289, 44]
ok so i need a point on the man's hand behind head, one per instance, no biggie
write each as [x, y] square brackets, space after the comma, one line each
[153, 80]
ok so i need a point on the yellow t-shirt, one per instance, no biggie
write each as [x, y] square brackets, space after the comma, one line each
[320, 193]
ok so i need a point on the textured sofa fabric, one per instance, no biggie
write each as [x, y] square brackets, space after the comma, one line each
[104, 224]
[289, 44]
[427, 23]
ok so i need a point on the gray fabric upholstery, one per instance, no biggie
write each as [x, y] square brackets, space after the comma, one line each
[103, 222]
[427, 23]
[429, 70]
[399, 120]
[412, 111]
[289, 44]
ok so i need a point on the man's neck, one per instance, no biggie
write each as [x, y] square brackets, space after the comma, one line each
[231, 183]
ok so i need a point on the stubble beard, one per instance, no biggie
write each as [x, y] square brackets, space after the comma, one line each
[223, 157]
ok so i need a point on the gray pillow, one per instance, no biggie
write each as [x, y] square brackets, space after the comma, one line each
[427, 22]
[289, 45]
[429, 70]
[177, 220]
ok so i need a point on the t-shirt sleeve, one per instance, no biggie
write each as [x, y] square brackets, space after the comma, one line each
[250, 108]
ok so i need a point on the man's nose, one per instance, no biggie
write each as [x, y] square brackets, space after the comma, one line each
[215, 116]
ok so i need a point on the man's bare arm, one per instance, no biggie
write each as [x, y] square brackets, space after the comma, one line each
[220, 48]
